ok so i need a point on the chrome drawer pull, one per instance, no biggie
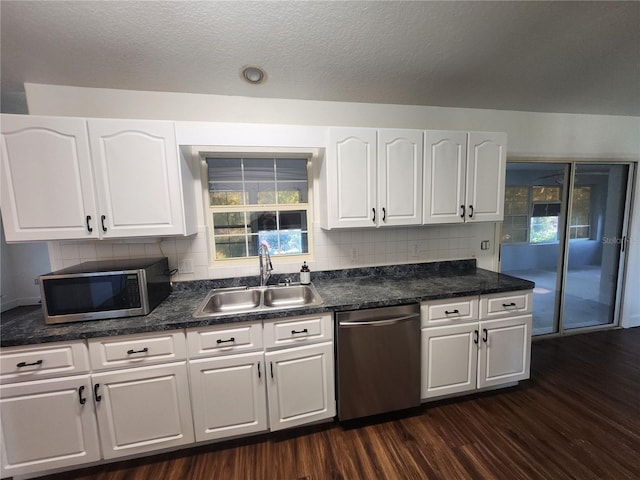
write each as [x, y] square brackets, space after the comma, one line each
[452, 311]
[293, 332]
[25, 364]
[131, 352]
[232, 339]
[512, 304]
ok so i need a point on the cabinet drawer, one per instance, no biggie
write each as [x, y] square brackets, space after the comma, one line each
[298, 330]
[224, 339]
[508, 304]
[448, 311]
[128, 350]
[43, 361]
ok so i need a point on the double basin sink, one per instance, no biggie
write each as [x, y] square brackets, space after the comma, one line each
[227, 301]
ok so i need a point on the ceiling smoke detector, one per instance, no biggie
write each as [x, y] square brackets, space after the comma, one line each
[253, 74]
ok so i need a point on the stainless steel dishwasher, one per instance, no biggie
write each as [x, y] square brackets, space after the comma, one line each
[378, 360]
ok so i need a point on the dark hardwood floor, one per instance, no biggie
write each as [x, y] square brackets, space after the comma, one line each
[577, 418]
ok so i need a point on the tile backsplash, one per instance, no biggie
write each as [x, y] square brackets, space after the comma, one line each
[335, 249]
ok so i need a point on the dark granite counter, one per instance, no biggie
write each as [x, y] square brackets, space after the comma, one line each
[341, 290]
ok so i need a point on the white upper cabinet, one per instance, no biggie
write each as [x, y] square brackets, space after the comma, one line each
[372, 178]
[349, 175]
[445, 167]
[47, 179]
[137, 177]
[71, 178]
[486, 169]
[400, 177]
[464, 176]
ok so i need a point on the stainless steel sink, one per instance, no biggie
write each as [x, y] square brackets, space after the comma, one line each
[227, 301]
[291, 296]
[231, 301]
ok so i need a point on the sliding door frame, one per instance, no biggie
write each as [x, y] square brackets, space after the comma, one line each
[565, 234]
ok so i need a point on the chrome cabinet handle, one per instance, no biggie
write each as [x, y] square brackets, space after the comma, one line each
[451, 312]
[293, 332]
[476, 336]
[485, 335]
[374, 215]
[271, 369]
[102, 219]
[95, 392]
[470, 211]
[463, 211]
[259, 374]
[89, 229]
[384, 214]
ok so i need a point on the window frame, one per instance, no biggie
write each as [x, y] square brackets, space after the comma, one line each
[531, 204]
[312, 156]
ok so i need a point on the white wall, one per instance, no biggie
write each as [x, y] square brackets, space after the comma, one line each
[529, 134]
[21, 265]
[543, 135]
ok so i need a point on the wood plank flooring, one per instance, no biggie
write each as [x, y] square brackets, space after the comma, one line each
[577, 418]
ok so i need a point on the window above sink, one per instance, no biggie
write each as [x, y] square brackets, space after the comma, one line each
[255, 198]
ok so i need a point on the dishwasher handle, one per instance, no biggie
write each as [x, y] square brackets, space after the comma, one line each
[389, 321]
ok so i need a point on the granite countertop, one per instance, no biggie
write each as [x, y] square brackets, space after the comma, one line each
[341, 290]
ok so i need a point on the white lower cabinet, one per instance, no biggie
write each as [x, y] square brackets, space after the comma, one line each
[505, 351]
[143, 409]
[228, 395]
[136, 394]
[238, 388]
[465, 354]
[301, 385]
[449, 360]
[47, 424]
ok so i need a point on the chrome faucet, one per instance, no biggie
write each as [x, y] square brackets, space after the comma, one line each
[265, 263]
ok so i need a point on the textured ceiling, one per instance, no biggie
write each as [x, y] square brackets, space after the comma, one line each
[574, 57]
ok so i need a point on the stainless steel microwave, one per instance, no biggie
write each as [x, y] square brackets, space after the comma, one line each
[104, 289]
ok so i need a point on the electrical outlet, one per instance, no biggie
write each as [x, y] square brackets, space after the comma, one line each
[185, 265]
[484, 245]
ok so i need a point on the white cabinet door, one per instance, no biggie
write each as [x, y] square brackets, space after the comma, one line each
[350, 179]
[47, 424]
[486, 167]
[143, 409]
[449, 359]
[400, 177]
[445, 169]
[228, 395]
[300, 383]
[47, 183]
[505, 351]
[464, 176]
[137, 177]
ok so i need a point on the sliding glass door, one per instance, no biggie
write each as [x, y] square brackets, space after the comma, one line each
[533, 234]
[595, 245]
[563, 229]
